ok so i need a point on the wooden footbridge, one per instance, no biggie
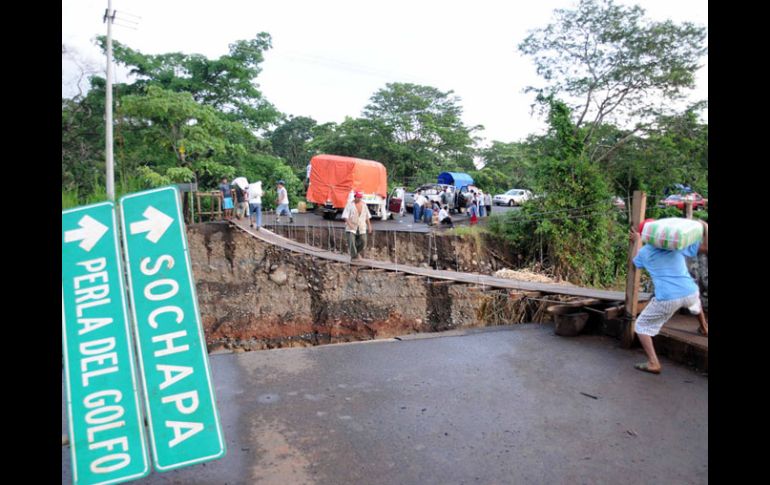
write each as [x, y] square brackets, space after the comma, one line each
[610, 305]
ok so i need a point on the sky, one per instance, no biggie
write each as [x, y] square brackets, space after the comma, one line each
[329, 57]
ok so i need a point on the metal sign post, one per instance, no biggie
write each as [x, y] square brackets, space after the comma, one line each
[179, 397]
[107, 441]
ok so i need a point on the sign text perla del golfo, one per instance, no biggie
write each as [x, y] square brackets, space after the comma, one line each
[107, 442]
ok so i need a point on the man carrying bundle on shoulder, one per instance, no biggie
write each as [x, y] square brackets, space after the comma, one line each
[669, 241]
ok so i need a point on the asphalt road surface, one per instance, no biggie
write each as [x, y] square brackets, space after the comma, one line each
[502, 405]
[405, 223]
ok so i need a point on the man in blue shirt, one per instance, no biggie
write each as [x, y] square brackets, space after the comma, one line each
[674, 289]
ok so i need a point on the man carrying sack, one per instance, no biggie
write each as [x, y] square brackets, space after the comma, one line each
[674, 286]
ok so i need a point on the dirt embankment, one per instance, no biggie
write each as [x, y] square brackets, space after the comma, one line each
[253, 295]
[482, 253]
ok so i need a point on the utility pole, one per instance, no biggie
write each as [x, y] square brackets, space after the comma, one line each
[109, 17]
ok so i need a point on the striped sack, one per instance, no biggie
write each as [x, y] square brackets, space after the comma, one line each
[672, 233]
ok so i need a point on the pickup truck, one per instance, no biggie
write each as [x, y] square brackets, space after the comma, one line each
[432, 192]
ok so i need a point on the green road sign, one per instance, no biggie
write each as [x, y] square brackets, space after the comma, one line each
[179, 397]
[107, 440]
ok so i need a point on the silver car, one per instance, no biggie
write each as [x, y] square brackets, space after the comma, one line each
[512, 197]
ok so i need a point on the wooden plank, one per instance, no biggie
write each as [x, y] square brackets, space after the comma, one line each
[415, 272]
[638, 209]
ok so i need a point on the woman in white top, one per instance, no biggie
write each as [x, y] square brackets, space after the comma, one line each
[255, 204]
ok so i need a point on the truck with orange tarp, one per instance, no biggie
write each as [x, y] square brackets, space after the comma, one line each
[334, 179]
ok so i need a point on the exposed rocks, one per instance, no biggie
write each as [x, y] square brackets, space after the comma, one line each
[255, 296]
[278, 277]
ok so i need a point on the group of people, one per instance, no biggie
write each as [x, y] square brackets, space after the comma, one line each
[430, 211]
[478, 204]
[249, 201]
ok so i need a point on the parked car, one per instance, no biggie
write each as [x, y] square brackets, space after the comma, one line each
[512, 197]
[678, 200]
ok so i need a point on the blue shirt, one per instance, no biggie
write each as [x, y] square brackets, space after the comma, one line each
[668, 270]
[226, 190]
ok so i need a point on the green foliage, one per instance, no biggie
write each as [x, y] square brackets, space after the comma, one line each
[151, 178]
[291, 141]
[269, 170]
[572, 227]
[674, 151]
[210, 173]
[415, 131]
[225, 84]
[514, 161]
[615, 64]
[491, 181]
[180, 175]
[663, 212]
[185, 119]
[703, 215]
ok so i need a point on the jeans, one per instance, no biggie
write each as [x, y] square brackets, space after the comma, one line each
[283, 209]
[356, 244]
[256, 214]
[417, 212]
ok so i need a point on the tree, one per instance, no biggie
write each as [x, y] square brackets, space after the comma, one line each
[185, 118]
[615, 64]
[571, 224]
[427, 122]
[514, 160]
[290, 141]
[226, 84]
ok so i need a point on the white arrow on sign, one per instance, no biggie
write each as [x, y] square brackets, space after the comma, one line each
[89, 233]
[154, 225]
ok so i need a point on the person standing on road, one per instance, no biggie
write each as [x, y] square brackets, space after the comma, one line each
[488, 203]
[473, 208]
[255, 204]
[480, 203]
[402, 206]
[282, 203]
[357, 224]
[674, 289]
[419, 201]
[427, 211]
[227, 198]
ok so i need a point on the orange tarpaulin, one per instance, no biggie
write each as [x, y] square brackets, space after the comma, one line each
[332, 177]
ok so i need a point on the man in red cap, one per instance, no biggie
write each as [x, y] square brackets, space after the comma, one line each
[357, 224]
[674, 289]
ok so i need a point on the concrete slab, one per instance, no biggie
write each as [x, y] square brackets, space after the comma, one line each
[513, 404]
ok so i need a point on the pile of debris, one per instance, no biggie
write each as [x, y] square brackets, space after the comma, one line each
[526, 275]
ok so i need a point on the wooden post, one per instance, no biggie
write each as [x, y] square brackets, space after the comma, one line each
[638, 209]
[688, 209]
[198, 198]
